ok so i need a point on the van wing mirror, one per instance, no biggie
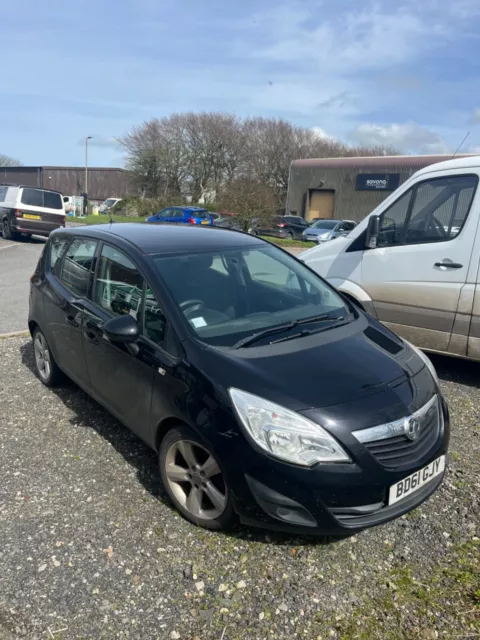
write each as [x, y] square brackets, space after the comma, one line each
[373, 229]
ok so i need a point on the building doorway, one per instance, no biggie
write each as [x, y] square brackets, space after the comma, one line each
[321, 204]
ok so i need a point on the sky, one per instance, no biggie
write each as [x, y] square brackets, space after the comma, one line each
[404, 73]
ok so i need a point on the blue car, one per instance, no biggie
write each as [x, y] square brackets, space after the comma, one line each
[183, 215]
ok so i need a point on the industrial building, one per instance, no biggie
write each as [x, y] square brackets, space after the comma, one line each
[103, 182]
[348, 188]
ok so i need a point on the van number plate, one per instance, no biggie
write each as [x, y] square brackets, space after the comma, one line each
[30, 216]
[416, 481]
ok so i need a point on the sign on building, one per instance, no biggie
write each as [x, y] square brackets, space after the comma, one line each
[377, 181]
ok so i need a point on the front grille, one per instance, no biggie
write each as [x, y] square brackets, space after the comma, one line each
[399, 450]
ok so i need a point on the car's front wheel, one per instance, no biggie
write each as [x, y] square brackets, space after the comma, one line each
[194, 480]
[45, 364]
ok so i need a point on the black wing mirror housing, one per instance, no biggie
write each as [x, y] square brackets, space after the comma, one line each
[123, 329]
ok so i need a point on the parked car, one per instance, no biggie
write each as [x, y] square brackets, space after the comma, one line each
[229, 222]
[326, 229]
[413, 263]
[28, 210]
[183, 215]
[108, 204]
[266, 394]
[289, 227]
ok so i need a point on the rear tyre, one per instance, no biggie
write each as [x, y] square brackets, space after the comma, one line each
[45, 365]
[194, 481]
[7, 233]
[289, 235]
[253, 232]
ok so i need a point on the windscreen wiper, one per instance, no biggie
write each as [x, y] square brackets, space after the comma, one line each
[309, 332]
[244, 342]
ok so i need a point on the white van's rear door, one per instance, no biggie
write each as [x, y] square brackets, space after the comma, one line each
[416, 275]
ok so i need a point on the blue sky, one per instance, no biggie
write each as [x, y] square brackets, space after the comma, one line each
[404, 73]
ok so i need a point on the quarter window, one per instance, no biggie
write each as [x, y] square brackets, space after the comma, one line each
[3, 193]
[119, 284]
[392, 223]
[77, 266]
[57, 245]
[154, 321]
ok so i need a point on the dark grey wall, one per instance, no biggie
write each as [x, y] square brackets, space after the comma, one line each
[102, 183]
[349, 203]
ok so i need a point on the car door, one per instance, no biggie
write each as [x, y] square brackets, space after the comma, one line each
[120, 377]
[416, 274]
[66, 290]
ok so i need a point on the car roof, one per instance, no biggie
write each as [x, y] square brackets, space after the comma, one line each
[166, 238]
[187, 208]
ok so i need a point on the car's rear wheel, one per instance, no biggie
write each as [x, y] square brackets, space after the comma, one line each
[253, 232]
[194, 480]
[289, 235]
[7, 232]
[45, 364]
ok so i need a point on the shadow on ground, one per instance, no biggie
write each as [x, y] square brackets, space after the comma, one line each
[457, 370]
[89, 414]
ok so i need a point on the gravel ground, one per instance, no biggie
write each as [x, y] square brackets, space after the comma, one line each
[90, 549]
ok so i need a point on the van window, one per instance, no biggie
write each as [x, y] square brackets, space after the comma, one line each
[440, 209]
[392, 222]
[3, 193]
[41, 198]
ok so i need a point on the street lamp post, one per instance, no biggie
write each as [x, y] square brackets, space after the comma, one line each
[85, 197]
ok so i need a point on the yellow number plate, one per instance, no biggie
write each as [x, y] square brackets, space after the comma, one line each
[205, 222]
[31, 217]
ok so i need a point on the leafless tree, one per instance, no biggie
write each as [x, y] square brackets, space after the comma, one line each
[249, 199]
[6, 161]
[200, 153]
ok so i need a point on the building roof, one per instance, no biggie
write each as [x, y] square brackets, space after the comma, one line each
[168, 238]
[50, 168]
[373, 162]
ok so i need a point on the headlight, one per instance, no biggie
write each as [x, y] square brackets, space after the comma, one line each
[284, 433]
[325, 235]
[426, 360]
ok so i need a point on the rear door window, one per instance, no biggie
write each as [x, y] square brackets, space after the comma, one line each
[77, 265]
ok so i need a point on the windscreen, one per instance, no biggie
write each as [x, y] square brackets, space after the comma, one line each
[229, 294]
[325, 224]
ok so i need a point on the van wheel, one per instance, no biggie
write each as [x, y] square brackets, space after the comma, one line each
[7, 233]
[45, 364]
[194, 481]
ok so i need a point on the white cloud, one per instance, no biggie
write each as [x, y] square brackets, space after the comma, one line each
[475, 117]
[369, 38]
[409, 137]
[321, 133]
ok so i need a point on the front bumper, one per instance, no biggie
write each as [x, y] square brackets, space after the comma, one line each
[330, 499]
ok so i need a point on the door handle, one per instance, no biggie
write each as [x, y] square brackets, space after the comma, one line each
[449, 265]
[91, 336]
[72, 320]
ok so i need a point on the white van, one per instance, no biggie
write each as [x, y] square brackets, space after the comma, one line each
[28, 210]
[413, 263]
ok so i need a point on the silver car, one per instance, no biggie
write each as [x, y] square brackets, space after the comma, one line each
[324, 230]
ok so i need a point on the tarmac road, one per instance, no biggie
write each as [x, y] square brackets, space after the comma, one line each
[17, 263]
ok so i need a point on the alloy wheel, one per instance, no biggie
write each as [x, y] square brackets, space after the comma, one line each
[195, 480]
[42, 356]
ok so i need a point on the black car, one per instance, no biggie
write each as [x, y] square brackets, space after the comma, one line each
[267, 395]
[228, 222]
[288, 227]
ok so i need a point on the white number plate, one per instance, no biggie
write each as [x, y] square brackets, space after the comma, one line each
[416, 481]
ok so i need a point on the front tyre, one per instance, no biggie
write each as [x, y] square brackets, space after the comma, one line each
[194, 481]
[45, 365]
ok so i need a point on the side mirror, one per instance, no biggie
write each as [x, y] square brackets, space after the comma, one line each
[123, 329]
[373, 229]
[66, 199]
